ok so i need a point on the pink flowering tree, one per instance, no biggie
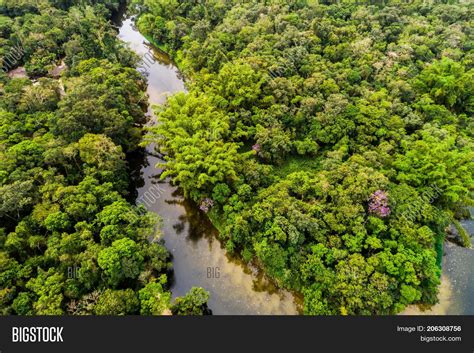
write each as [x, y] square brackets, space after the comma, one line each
[378, 203]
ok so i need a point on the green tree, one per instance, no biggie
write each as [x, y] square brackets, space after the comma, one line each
[193, 303]
[154, 300]
[121, 261]
[117, 302]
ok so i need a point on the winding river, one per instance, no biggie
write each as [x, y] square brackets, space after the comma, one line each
[198, 257]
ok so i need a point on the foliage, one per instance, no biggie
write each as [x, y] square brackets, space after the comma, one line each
[193, 303]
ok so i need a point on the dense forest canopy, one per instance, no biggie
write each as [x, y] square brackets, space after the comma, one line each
[329, 143]
[70, 240]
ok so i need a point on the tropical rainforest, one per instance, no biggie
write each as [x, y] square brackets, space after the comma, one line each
[330, 142]
[71, 239]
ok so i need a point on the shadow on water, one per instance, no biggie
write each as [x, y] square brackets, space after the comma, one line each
[136, 161]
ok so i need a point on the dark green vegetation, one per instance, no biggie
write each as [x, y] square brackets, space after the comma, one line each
[330, 144]
[70, 242]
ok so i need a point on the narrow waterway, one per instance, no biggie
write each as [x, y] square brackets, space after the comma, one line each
[198, 257]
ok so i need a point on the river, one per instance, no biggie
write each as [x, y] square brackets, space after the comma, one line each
[198, 257]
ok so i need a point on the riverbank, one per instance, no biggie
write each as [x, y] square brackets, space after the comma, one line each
[445, 297]
[199, 259]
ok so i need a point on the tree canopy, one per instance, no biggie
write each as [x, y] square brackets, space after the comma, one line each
[330, 143]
